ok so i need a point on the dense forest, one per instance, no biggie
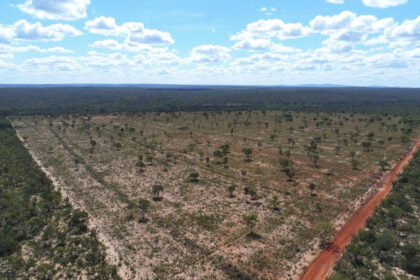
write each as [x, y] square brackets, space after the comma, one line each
[389, 246]
[102, 100]
[41, 236]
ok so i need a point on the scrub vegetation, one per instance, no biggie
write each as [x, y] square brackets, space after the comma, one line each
[202, 182]
[41, 235]
[244, 194]
[389, 246]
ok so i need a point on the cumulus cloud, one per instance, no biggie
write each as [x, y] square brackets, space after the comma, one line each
[406, 33]
[210, 53]
[280, 48]
[52, 63]
[272, 28]
[268, 10]
[335, 1]
[6, 34]
[56, 9]
[104, 26]
[253, 44]
[135, 32]
[383, 3]
[25, 31]
[152, 37]
[117, 46]
[37, 32]
[347, 29]
[32, 48]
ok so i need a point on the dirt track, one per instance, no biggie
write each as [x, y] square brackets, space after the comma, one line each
[323, 265]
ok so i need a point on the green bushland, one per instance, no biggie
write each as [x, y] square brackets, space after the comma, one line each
[391, 238]
[41, 235]
[59, 100]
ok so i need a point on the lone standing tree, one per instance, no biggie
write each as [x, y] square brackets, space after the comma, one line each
[248, 154]
[251, 221]
[144, 205]
[157, 189]
[231, 189]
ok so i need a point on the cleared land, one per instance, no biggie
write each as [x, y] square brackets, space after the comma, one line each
[302, 174]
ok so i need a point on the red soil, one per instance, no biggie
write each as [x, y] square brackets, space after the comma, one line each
[323, 265]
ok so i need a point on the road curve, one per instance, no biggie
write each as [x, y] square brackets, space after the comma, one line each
[323, 265]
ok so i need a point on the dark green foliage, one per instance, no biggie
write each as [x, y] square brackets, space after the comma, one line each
[193, 177]
[391, 237]
[104, 100]
[33, 215]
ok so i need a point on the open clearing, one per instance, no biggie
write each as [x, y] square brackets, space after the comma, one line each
[302, 174]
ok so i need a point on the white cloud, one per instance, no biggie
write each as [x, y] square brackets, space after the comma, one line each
[272, 28]
[252, 44]
[103, 26]
[6, 34]
[25, 31]
[32, 48]
[56, 9]
[280, 48]
[210, 53]
[135, 32]
[268, 10]
[37, 32]
[335, 1]
[152, 37]
[383, 3]
[117, 46]
[52, 63]
[347, 29]
[328, 24]
[406, 33]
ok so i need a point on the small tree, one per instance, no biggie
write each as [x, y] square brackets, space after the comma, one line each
[252, 192]
[354, 164]
[251, 221]
[312, 186]
[194, 177]
[383, 164]
[225, 149]
[157, 189]
[118, 146]
[367, 145]
[144, 205]
[315, 158]
[337, 150]
[288, 168]
[275, 203]
[218, 153]
[248, 154]
[291, 141]
[93, 143]
[231, 189]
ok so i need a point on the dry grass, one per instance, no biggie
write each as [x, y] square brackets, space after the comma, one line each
[196, 230]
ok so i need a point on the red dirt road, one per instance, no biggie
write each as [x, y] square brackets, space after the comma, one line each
[323, 265]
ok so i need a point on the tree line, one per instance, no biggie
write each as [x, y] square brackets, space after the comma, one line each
[104, 100]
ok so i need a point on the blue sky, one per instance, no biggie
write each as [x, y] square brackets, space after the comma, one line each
[258, 42]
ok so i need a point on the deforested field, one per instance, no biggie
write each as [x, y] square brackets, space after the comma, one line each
[216, 195]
